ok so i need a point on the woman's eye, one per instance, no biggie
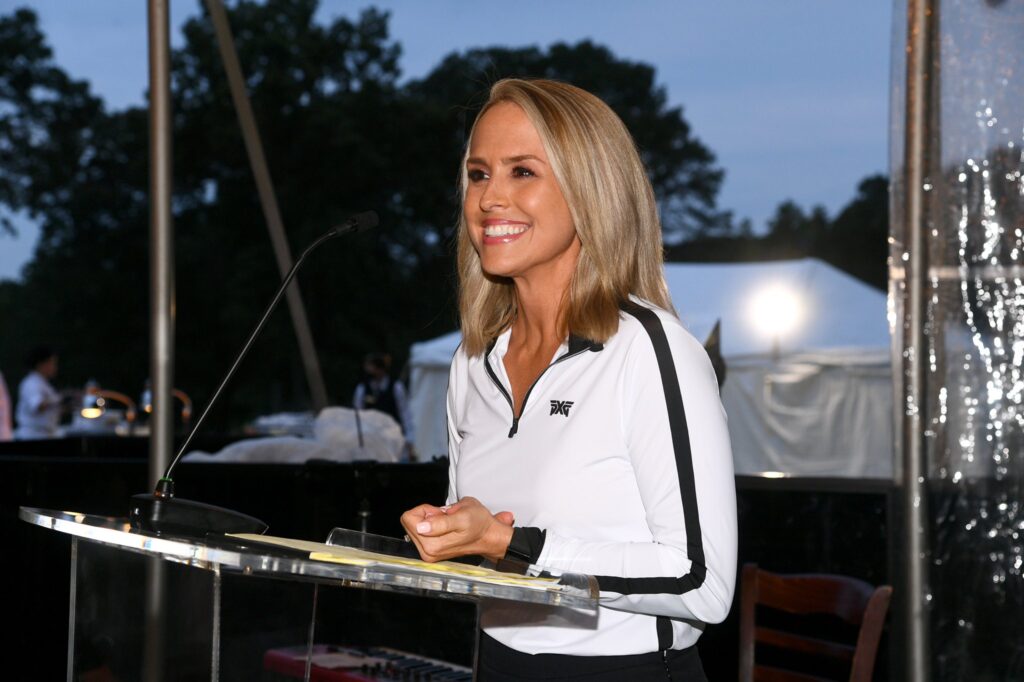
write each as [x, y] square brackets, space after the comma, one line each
[476, 175]
[521, 172]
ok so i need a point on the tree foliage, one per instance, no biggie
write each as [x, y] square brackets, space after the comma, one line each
[682, 169]
[341, 134]
[855, 240]
[80, 172]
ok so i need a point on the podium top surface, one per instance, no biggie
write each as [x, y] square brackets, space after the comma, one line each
[313, 562]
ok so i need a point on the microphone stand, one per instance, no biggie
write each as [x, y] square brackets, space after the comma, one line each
[161, 511]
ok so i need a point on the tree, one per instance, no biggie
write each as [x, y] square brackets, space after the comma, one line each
[330, 119]
[855, 241]
[682, 169]
[42, 112]
[77, 170]
[858, 237]
[801, 231]
[340, 136]
[82, 172]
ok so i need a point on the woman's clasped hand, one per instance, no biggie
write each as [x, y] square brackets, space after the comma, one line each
[460, 529]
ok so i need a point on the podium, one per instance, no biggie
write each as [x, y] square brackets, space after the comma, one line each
[194, 608]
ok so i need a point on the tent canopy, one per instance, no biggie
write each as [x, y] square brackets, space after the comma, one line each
[838, 312]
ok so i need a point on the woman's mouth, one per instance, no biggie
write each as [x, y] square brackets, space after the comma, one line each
[503, 232]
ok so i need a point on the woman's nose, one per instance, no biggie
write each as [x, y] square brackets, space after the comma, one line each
[494, 196]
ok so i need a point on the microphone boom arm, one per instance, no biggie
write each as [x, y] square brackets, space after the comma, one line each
[160, 511]
[334, 232]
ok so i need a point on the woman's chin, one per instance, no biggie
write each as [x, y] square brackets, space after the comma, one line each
[499, 271]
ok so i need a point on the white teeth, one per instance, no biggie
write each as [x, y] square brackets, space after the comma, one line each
[503, 230]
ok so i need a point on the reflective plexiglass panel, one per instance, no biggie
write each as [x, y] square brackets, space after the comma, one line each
[973, 323]
[227, 604]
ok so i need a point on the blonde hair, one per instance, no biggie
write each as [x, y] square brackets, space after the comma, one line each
[602, 178]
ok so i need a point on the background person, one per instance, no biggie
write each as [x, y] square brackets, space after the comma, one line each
[5, 411]
[586, 432]
[39, 405]
[379, 391]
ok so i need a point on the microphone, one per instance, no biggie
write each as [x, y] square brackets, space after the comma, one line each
[162, 512]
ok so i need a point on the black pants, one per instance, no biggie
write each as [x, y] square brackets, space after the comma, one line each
[498, 663]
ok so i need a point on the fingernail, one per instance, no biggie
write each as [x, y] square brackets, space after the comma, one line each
[446, 508]
[423, 527]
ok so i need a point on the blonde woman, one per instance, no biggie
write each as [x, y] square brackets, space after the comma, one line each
[585, 428]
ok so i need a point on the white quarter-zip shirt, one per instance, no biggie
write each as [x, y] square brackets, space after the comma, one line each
[618, 467]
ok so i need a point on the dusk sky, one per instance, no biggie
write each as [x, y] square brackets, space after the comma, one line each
[791, 96]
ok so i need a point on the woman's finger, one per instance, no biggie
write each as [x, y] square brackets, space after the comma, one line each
[437, 525]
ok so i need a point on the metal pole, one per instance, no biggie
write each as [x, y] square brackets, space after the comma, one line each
[921, 23]
[72, 610]
[161, 255]
[161, 242]
[156, 608]
[311, 636]
[268, 200]
[215, 636]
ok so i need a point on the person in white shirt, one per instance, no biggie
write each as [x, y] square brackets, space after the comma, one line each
[39, 405]
[586, 433]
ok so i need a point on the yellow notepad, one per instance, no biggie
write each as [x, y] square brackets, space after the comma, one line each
[359, 557]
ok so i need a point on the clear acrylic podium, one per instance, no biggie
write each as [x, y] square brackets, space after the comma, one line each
[220, 601]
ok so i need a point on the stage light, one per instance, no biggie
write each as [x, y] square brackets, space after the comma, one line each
[92, 405]
[95, 402]
[776, 311]
[186, 402]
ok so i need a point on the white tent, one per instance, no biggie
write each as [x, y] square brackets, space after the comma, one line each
[815, 401]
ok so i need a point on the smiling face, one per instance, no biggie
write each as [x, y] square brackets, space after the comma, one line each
[515, 213]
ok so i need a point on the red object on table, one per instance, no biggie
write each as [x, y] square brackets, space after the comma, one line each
[291, 662]
[358, 664]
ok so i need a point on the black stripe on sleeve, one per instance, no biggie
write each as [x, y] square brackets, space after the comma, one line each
[665, 635]
[684, 469]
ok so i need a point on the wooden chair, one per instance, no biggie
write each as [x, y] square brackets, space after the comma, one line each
[852, 601]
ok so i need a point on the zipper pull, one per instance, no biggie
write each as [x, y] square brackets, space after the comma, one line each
[515, 427]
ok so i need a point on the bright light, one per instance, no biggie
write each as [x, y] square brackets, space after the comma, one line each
[776, 311]
[91, 412]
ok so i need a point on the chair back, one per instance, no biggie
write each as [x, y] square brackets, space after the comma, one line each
[851, 600]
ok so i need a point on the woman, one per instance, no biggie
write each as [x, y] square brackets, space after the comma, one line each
[585, 428]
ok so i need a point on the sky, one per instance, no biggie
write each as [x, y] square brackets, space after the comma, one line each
[790, 95]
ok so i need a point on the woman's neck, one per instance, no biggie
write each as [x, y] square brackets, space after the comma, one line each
[541, 295]
[539, 322]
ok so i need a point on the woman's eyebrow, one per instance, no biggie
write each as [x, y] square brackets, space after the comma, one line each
[522, 157]
[507, 160]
